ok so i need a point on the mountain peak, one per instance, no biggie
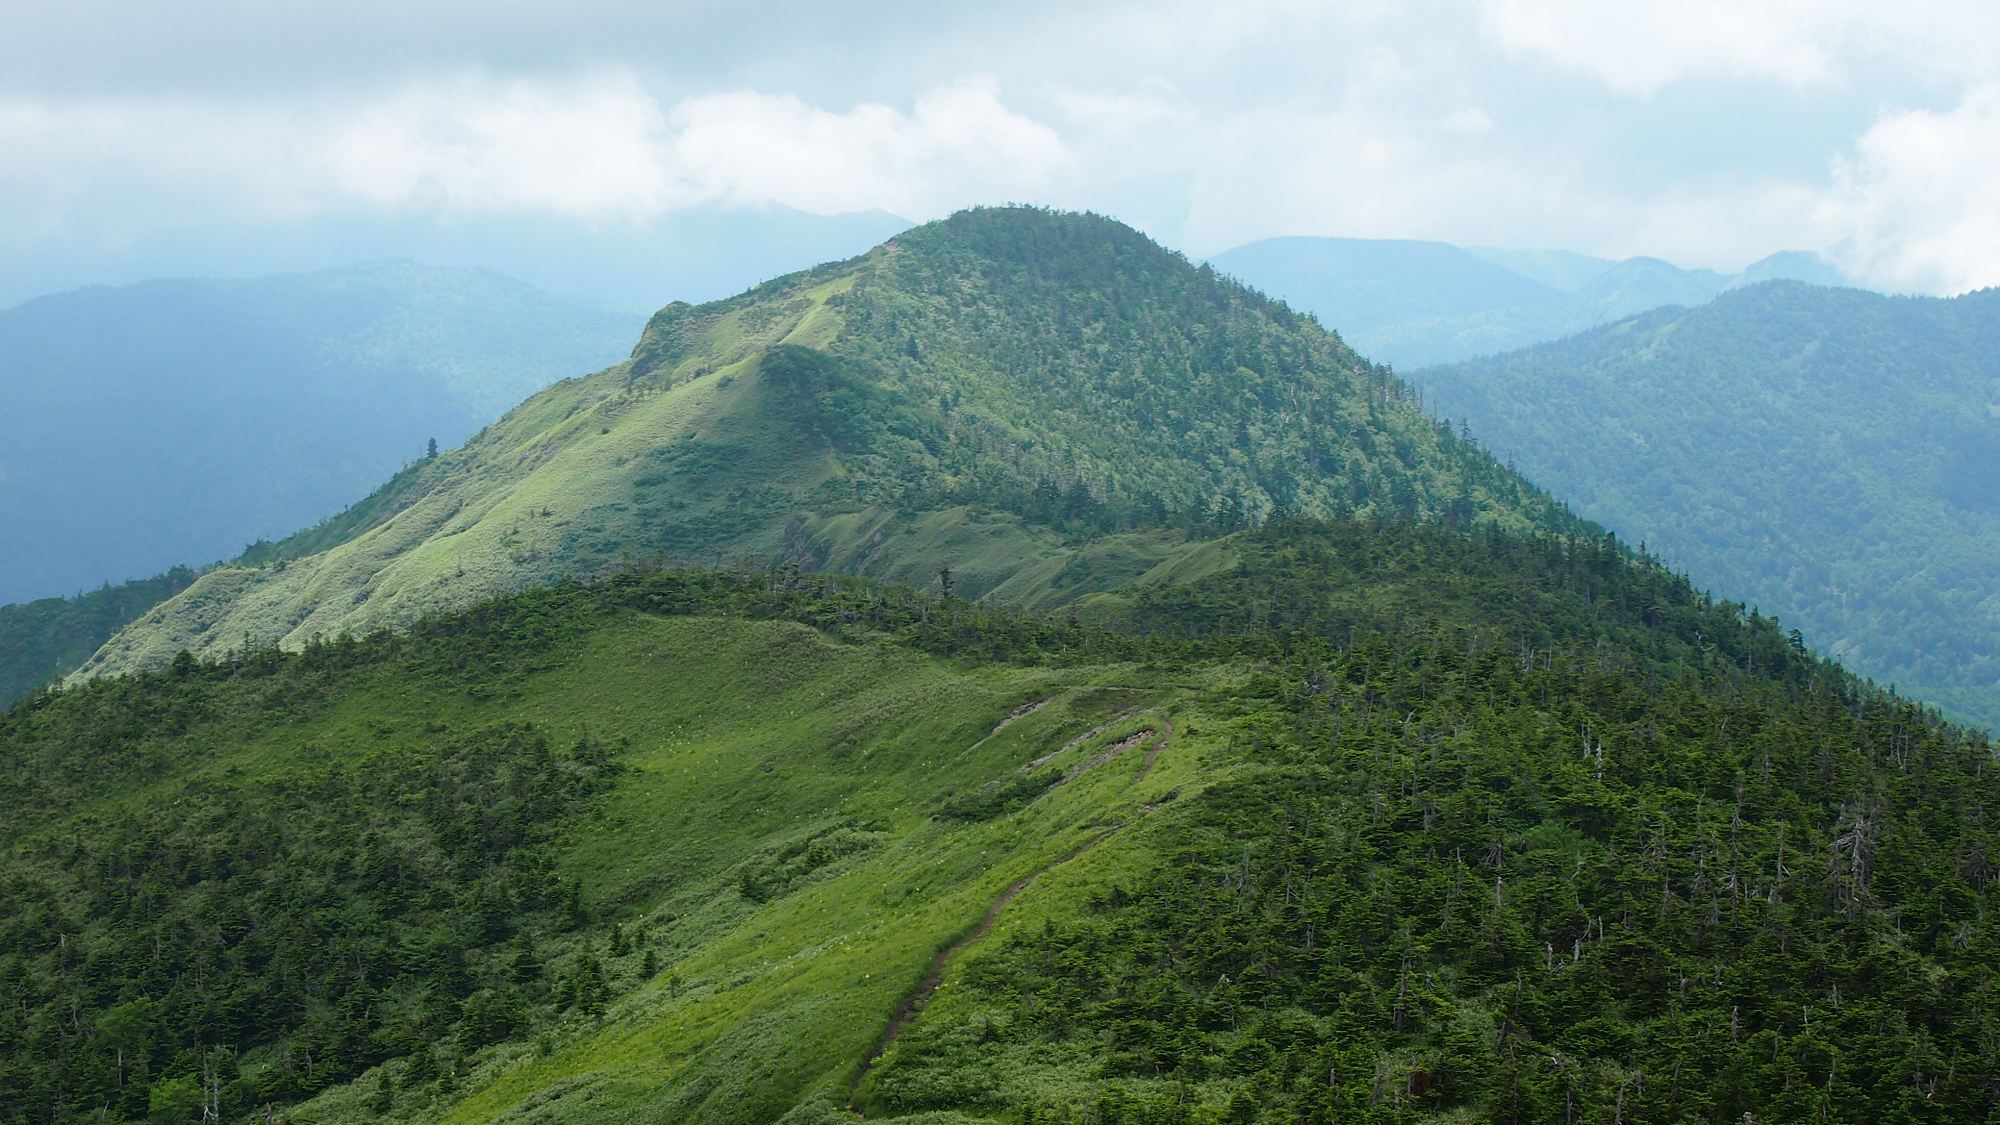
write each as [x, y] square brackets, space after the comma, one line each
[1793, 265]
[1033, 237]
[990, 392]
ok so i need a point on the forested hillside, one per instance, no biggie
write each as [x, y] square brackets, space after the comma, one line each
[1047, 404]
[1377, 821]
[172, 422]
[1830, 456]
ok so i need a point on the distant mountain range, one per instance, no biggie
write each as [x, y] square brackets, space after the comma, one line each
[1413, 303]
[635, 267]
[172, 422]
[1830, 455]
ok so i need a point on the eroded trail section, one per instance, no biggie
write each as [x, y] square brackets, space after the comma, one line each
[915, 1002]
[913, 1005]
[1014, 716]
[1153, 752]
[1153, 738]
[1080, 739]
[1135, 739]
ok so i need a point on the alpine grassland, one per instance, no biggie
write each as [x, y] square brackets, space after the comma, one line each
[173, 421]
[48, 638]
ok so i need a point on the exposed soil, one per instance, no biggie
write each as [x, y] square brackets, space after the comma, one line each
[1130, 741]
[1153, 752]
[1079, 740]
[1014, 716]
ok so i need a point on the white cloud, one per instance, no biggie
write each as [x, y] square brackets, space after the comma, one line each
[595, 149]
[1354, 173]
[1212, 123]
[1118, 114]
[1913, 206]
[1471, 121]
[959, 144]
[1639, 46]
[1723, 223]
[599, 148]
[96, 168]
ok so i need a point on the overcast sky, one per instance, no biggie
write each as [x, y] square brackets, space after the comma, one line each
[1708, 132]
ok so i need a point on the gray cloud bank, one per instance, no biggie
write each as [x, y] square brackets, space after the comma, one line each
[1706, 132]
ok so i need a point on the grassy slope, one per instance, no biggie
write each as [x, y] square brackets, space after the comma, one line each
[774, 1004]
[787, 840]
[495, 516]
[48, 638]
[890, 416]
[745, 736]
[172, 422]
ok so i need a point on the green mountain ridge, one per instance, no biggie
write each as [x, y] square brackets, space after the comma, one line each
[1310, 838]
[1831, 455]
[1231, 744]
[1036, 401]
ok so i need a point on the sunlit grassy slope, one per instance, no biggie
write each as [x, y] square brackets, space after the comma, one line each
[782, 840]
[765, 1005]
[746, 738]
[1043, 403]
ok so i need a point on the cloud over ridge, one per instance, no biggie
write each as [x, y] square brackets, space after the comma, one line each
[595, 148]
[1707, 131]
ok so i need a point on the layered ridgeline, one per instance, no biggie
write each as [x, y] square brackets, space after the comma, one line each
[1387, 822]
[1830, 455]
[1043, 404]
[172, 422]
[1412, 303]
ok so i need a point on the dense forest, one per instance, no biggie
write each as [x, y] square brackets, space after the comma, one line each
[1523, 884]
[1506, 826]
[1080, 354]
[1831, 455]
